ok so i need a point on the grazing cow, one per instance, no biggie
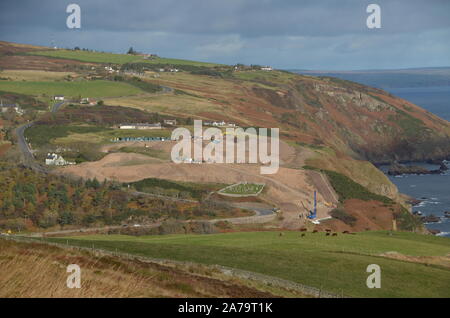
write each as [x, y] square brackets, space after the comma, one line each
[281, 234]
[334, 234]
[303, 235]
[327, 234]
[328, 230]
[346, 232]
[303, 229]
[315, 231]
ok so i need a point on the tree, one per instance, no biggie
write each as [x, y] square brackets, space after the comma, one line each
[66, 218]
[48, 219]
[131, 51]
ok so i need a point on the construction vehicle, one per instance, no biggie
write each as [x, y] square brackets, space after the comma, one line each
[313, 213]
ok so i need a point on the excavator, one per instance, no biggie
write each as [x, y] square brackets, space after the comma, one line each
[312, 214]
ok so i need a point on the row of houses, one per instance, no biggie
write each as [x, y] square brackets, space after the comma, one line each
[122, 139]
[171, 70]
[242, 67]
[219, 124]
[169, 122]
[84, 101]
[140, 126]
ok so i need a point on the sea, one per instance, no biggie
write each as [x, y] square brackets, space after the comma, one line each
[433, 190]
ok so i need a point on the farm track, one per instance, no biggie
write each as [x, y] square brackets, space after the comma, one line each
[323, 186]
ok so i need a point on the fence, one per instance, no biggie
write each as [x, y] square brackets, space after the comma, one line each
[228, 271]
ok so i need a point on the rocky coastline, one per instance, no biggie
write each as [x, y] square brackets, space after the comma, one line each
[397, 169]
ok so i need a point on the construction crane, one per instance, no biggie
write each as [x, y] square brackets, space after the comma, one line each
[313, 213]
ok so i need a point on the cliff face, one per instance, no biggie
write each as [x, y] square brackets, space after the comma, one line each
[363, 122]
[349, 125]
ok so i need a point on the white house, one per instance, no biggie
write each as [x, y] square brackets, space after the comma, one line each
[221, 123]
[6, 107]
[172, 122]
[59, 97]
[54, 160]
[266, 68]
[127, 126]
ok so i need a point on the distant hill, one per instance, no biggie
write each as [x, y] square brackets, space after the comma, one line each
[385, 79]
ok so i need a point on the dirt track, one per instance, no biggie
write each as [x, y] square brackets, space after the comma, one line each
[285, 189]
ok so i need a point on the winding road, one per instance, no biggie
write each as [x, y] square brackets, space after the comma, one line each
[28, 157]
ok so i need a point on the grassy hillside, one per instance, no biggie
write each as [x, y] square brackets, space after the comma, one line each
[83, 88]
[111, 58]
[38, 270]
[336, 264]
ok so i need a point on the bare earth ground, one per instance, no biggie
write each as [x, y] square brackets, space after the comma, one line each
[286, 189]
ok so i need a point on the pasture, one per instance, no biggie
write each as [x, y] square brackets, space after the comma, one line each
[35, 75]
[95, 89]
[112, 58]
[335, 264]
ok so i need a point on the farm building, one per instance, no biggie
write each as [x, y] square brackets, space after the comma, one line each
[88, 101]
[6, 107]
[172, 122]
[58, 97]
[140, 126]
[55, 160]
[266, 68]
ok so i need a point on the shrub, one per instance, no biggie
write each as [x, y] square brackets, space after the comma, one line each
[342, 215]
[407, 221]
[346, 188]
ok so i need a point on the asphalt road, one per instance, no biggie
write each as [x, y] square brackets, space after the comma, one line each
[56, 107]
[28, 157]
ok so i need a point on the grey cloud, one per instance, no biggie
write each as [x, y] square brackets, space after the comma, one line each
[311, 34]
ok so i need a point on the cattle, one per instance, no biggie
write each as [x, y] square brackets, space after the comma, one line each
[315, 231]
[303, 235]
[334, 234]
[327, 234]
[281, 234]
[346, 232]
[328, 230]
[303, 229]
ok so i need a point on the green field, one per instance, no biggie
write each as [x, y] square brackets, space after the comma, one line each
[99, 57]
[135, 133]
[96, 89]
[336, 264]
[41, 135]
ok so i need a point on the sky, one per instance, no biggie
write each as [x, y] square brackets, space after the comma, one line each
[285, 34]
